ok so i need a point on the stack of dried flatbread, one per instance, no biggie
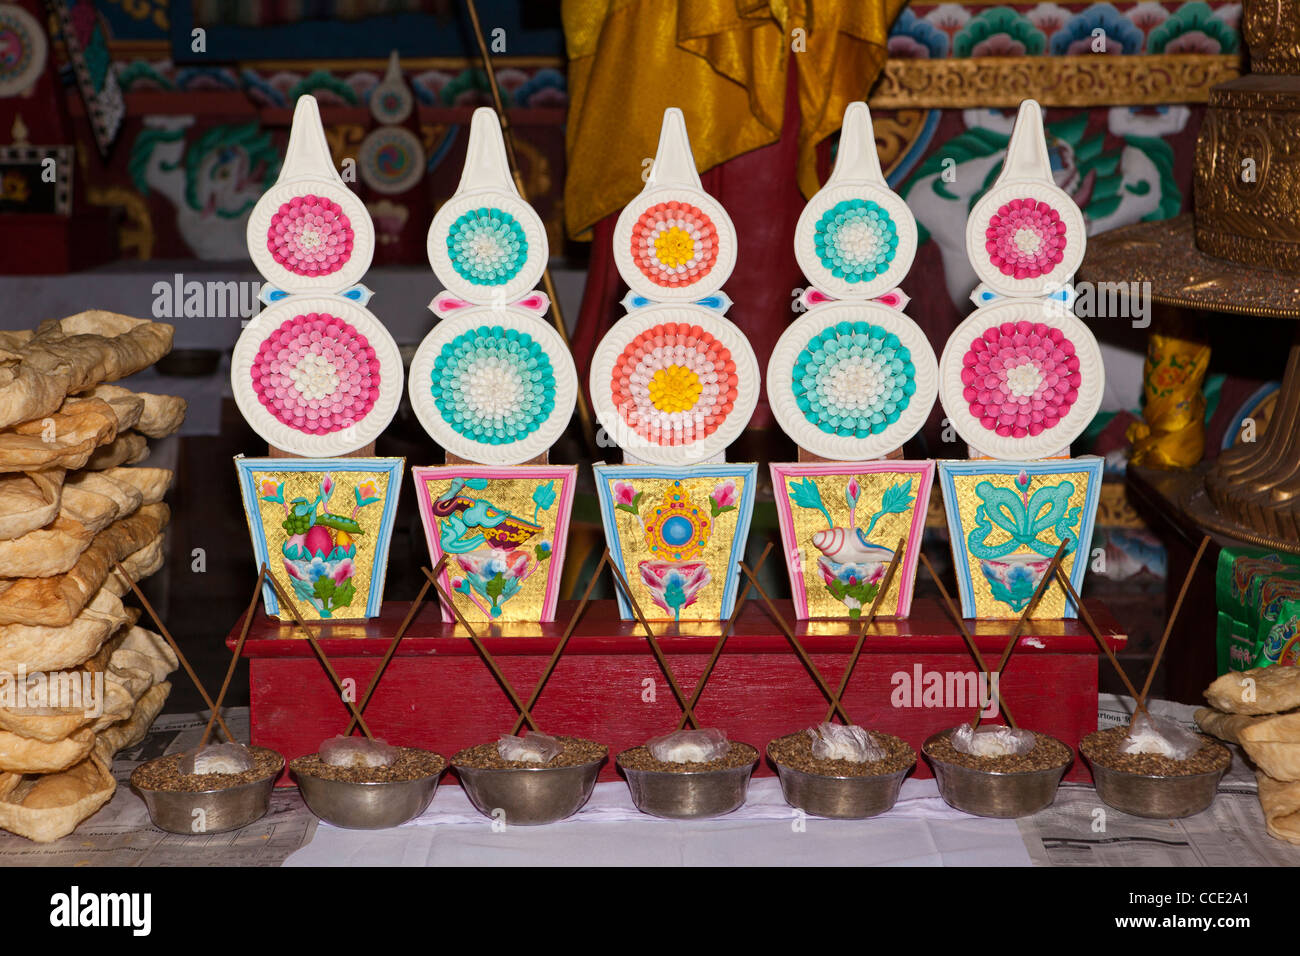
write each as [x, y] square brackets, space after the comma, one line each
[1260, 710]
[79, 679]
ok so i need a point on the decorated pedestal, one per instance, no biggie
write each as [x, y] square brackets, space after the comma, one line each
[673, 384]
[503, 532]
[318, 377]
[835, 519]
[322, 527]
[495, 386]
[852, 379]
[677, 535]
[915, 677]
[1020, 379]
[1006, 520]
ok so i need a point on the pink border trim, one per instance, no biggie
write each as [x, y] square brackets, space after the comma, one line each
[784, 513]
[568, 475]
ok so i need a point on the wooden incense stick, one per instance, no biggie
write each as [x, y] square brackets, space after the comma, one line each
[955, 614]
[507, 134]
[388, 655]
[722, 638]
[564, 640]
[1028, 611]
[687, 711]
[180, 655]
[788, 631]
[1173, 616]
[484, 653]
[865, 623]
[234, 658]
[320, 653]
[1099, 638]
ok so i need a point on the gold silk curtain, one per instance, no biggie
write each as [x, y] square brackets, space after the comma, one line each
[724, 63]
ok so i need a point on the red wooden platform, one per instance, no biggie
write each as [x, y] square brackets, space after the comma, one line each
[438, 694]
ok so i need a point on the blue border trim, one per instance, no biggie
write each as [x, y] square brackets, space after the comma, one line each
[395, 468]
[745, 511]
[1091, 464]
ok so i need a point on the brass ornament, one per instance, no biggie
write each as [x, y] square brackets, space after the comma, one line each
[1055, 81]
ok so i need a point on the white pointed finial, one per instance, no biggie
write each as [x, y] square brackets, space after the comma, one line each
[1027, 151]
[486, 165]
[857, 159]
[394, 72]
[674, 163]
[308, 154]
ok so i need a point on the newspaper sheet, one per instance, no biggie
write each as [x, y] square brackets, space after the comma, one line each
[1079, 830]
[121, 834]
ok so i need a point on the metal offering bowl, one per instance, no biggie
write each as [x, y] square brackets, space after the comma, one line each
[227, 809]
[530, 796]
[689, 795]
[1156, 797]
[366, 805]
[844, 798]
[987, 793]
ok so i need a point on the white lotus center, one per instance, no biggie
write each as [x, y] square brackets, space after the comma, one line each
[314, 377]
[309, 240]
[1027, 240]
[852, 385]
[493, 389]
[485, 248]
[1023, 380]
[857, 240]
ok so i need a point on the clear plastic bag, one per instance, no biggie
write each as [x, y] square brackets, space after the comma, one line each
[357, 752]
[218, 758]
[689, 746]
[991, 740]
[840, 742]
[1159, 735]
[535, 748]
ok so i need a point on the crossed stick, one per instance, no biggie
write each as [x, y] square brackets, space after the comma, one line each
[564, 639]
[320, 652]
[865, 623]
[180, 655]
[388, 655]
[1139, 698]
[836, 704]
[524, 712]
[966, 635]
[234, 658]
[1032, 606]
[722, 638]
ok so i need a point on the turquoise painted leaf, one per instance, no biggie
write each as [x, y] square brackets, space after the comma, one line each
[896, 500]
[544, 496]
[806, 494]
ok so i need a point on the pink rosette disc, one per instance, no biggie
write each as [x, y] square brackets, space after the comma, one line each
[310, 236]
[316, 374]
[1020, 378]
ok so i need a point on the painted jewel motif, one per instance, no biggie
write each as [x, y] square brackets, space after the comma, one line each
[491, 552]
[674, 384]
[1020, 378]
[856, 239]
[487, 246]
[851, 566]
[676, 532]
[493, 385]
[310, 236]
[320, 553]
[1025, 238]
[316, 373]
[1012, 574]
[674, 244]
[853, 379]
